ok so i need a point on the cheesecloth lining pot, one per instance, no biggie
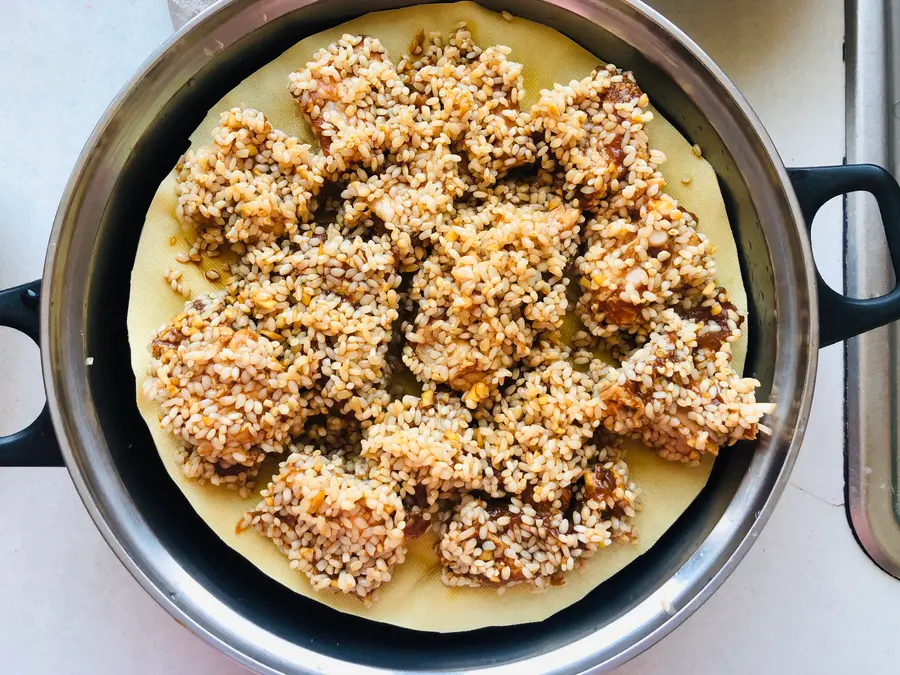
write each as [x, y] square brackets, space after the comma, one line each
[408, 600]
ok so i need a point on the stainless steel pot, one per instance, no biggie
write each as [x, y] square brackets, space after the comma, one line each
[218, 594]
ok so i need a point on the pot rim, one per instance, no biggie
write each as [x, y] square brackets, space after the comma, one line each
[188, 601]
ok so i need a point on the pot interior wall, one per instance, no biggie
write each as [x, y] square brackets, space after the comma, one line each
[228, 575]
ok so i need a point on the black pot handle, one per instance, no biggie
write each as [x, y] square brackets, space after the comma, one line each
[841, 317]
[36, 444]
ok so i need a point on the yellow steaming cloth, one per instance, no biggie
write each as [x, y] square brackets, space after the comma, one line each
[416, 597]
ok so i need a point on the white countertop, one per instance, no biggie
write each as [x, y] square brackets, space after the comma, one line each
[805, 600]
